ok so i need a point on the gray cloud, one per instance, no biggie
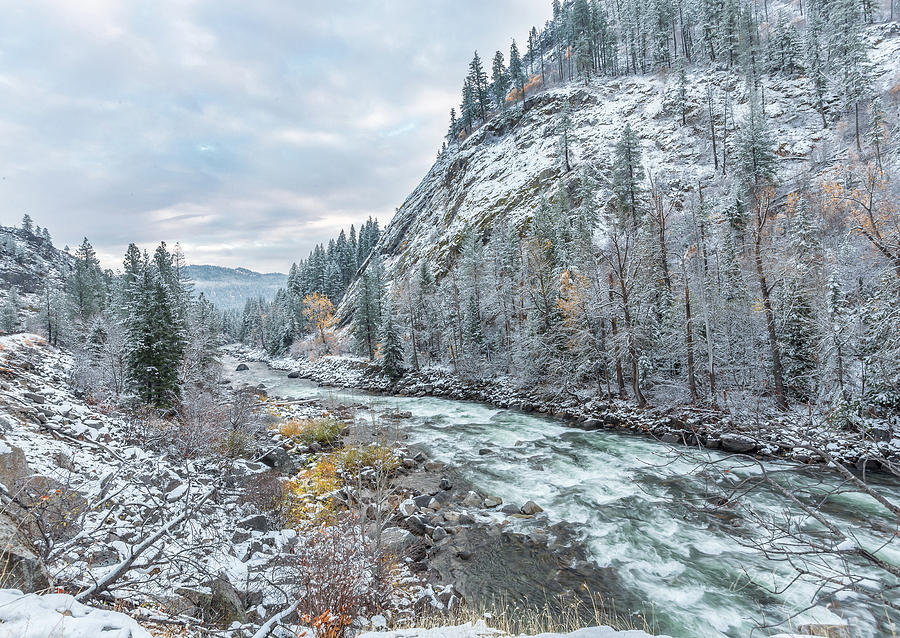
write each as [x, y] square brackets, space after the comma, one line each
[246, 131]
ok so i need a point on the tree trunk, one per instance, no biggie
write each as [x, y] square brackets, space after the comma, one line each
[632, 347]
[712, 130]
[689, 341]
[777, 370]
[620, 377]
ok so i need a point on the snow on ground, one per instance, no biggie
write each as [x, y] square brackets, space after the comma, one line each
[117, 490]
[61, 616]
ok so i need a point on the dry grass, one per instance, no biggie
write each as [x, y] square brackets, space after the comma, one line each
[324, 430]
[566, 615]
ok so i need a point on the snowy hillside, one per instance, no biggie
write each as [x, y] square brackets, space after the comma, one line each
[501, 170]
[27, 259]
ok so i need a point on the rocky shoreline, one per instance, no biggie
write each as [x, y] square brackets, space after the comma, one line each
[776, 435]
[466, 546]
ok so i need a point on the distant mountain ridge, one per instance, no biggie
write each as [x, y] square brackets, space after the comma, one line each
[229, 288]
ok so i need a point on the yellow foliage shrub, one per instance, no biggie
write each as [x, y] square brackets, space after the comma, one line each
[302, 499]
[324, 430]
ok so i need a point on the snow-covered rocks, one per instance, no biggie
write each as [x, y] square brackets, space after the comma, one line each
[60, 616]
[21, 566]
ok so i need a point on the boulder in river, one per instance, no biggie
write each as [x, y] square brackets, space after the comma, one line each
[530, 507]
[737, 443]
[242, 367]
[293, 374]
[492, 501]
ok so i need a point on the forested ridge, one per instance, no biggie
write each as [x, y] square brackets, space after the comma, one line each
[670, 202]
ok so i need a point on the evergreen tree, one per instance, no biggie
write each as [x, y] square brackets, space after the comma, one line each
[798, 343]
[468, 108]
[390, 348]
[365, 316]
[473, 333]
[27, 224]
[155, 340]
[878, 131]
[479, 85]
[850, 60]
[9, 315]
[681, 91]
[628, 173]
[86, 286]
[452, 131]
[755, 156]
[516, 72]
[816, 62]
[564, 130]
[500, 81]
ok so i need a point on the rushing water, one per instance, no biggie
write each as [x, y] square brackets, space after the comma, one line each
[626, 493]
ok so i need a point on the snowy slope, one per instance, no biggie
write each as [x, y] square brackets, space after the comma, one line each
[502, 169]
[26, 260]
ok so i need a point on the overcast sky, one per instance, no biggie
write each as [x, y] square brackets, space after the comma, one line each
[248, 131]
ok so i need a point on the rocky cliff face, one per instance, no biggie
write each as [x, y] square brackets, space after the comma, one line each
[502, 170]
[26, 260]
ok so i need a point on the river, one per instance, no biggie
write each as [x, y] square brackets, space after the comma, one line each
[627, 496]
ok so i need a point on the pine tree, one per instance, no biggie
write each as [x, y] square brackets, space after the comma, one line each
[391, 348]
[452, 132]
[365, 317]
[877, 132]
[85, 285]
[9, 315]
[628, 173]
[850, 60]
[479, 84]
[564, 130]
[472, 330]
[516, 72]
[155, 339]
[755, 156]
[681, 91]
[468, 107]
[500, 80]
[816, 62]
[798, 343]
[27, 224]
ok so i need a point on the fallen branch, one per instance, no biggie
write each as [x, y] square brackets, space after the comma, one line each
[119, 570]
[270, 624]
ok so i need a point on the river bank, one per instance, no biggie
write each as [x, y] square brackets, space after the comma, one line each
[637, 506]
[765, 433]
[467, 546]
